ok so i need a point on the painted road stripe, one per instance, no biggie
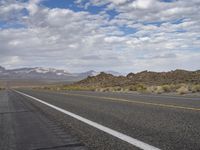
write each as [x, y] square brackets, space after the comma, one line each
[126, 138]
[136, 102]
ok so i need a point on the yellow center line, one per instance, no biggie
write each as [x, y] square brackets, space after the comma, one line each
[136, 102]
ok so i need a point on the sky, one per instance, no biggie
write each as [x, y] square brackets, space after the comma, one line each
[118, 35]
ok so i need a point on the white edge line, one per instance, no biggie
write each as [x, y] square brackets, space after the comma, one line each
[112, 132]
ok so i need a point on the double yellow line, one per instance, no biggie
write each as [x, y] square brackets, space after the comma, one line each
[136, 102]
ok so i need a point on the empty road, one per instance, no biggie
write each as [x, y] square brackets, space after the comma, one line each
[94, 120]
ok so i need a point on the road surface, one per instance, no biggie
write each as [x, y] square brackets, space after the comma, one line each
[163, 122]
[24, 126]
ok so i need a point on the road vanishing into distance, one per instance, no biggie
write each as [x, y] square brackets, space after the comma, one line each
[47, 120]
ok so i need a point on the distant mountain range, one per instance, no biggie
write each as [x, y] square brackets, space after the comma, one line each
[47, 74]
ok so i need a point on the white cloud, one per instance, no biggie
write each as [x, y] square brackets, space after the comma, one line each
[118, 1]
[10, 61]
[64, 38]
[114, 39]
[9, 9]
[143, 4]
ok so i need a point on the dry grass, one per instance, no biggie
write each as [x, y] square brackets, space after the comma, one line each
[167, 88]
[184, 89]
[141, 88]
[77, 88]
[159, 90]
[1, 88]
[132, 88]
[67, 87]
[151, 89]
[110, 89]
[195, 88]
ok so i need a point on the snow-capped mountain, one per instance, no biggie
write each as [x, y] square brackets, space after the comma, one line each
[39, 70]
[40, 73]
[37, 73]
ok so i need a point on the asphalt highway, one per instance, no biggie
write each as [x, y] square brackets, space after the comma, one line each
[164, 122]
[24, 126]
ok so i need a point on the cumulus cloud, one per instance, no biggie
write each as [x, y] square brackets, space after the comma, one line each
[143, 4]
[144, 34]
[10, 10]
[32, 6]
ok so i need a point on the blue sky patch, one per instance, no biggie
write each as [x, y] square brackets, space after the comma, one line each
[168, 1]
[127, 30]
[6, 25]
[62, 4]
[177, 21]
[112, 13]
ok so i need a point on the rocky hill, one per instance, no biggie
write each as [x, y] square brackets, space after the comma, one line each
[101, 80]
[144, 77]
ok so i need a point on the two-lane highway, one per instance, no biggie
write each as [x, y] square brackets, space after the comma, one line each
[23, 126]
[127, 121]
